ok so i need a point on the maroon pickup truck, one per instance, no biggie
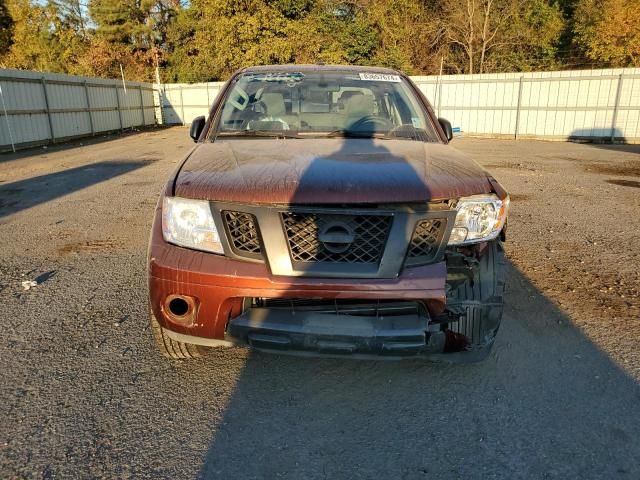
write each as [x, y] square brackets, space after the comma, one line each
[323, 212]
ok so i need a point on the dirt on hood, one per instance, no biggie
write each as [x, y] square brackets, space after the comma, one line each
[328, 171]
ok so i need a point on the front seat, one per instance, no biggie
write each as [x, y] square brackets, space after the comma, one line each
[345, 96]
[276, 109]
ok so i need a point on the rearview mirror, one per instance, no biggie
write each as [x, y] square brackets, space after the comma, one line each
[446, 127]
[196, 128]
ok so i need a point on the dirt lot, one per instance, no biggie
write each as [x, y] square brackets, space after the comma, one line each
[84, 394]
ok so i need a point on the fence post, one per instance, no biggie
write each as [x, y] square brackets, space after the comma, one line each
[86, 94]
[6, 119]
[119, 110]
[48, 109]
[162, 93]
[515, 135]
[141, 104]
[614, 120]
[181, 105]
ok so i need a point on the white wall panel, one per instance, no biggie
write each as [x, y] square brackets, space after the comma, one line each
[72, 107]
[554, 105]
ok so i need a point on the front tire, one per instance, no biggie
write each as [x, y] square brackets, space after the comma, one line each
[479, 302]
[171, 348]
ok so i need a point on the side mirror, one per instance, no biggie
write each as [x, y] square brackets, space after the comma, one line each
[196, 128]
[446, 126]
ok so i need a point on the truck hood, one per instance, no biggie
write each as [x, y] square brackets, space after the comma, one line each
[328, 171]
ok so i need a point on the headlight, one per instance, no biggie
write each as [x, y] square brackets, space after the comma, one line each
[479, 218]
[189, 223]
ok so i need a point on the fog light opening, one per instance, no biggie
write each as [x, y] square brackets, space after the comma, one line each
[178, 306]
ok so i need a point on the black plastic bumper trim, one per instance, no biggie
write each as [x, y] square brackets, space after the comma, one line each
[326, 333]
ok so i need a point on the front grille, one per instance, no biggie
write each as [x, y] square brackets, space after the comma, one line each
[369, 233]
[242, 231]
[426, 240]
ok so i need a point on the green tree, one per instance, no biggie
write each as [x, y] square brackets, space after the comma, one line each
[532, 40]
[131, 33]
[293, 9]
[214, 38]
[344, 33]
[35, 44]
[72, 16]
[410, 34]
[6, 28]
[72, 38]
[209, 39]
[180, 47]
[220, 36]
[608, 31]
[500, 34]
[44, 39]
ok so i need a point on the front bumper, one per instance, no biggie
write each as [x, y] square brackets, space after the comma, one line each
[219, 287]
[322, 333]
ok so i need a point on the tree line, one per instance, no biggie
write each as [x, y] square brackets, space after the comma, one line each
[206, 40]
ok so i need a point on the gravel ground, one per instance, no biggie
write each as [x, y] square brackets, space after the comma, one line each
[84, 394]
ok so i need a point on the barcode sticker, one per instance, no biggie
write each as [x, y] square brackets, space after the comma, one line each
[380, 77]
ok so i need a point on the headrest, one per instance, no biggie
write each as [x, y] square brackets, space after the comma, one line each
[359, 106]
[275, 104]
[344, 96]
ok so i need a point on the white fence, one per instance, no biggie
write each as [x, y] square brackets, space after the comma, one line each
[44, 108]
[594, 104]
[182, 102]
[589, 104]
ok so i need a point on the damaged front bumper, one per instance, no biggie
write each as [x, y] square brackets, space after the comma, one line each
[236, 302]
[377, 334]
[397, 329]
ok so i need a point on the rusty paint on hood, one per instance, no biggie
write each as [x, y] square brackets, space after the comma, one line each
[328, 171]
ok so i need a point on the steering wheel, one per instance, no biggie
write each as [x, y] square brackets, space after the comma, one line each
[373, 121]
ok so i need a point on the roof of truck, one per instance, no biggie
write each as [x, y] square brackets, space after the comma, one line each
[320, 67]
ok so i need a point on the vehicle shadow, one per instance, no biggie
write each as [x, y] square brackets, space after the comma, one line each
[626, 147]
[23, 194]
[543, 405]
[601, 138]
[103, 137]
[547, 403]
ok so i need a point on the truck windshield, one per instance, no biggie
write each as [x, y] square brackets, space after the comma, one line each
[321, 104]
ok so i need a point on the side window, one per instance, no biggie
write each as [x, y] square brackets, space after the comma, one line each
[242, 106]
[405, 106]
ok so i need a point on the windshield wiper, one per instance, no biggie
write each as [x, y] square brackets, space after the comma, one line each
[257, 133]
[403, 132]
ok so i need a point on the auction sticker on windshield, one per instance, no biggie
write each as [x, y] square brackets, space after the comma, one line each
[380, 77]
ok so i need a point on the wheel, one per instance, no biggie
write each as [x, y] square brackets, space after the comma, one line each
[172, 348]
[478, 301]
